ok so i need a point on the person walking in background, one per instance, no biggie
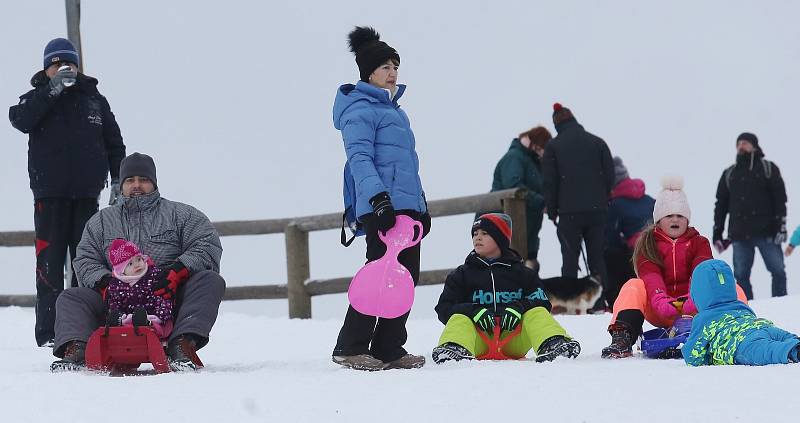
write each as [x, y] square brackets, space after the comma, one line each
[752, 192]
[521, 167]
[578, 177]
[74, 142]
[382, 178]
[629, 211]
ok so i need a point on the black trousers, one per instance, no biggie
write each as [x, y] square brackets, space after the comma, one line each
[591, 229]
[619, 269]
[380, 337]
[58, 223]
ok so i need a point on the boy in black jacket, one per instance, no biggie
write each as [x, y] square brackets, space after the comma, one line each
[494, 282]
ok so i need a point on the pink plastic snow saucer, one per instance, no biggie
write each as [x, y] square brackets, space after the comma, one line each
[384, 287]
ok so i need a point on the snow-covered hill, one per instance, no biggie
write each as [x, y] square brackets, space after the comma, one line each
[266, 369]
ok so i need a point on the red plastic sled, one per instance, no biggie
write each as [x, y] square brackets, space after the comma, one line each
[495, 344]
[121, 349]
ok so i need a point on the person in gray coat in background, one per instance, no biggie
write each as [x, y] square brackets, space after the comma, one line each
[178, 237]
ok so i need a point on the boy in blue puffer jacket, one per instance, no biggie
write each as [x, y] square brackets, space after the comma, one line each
[727, 331]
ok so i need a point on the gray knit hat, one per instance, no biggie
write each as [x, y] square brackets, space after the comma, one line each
[620, 171]
[138, 164]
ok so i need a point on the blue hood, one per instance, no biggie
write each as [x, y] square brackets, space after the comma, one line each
[349, 94]
[714, 287]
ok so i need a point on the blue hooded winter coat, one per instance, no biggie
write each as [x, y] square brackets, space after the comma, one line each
[724, 328]
[380, 147]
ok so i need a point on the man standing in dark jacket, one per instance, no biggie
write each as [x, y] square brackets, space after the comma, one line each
[73, 143]
[578, 175]
[753, 193]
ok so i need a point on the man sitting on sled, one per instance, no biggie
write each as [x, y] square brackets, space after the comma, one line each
[179, 239]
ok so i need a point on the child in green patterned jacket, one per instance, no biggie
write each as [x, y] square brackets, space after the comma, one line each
[727, 331]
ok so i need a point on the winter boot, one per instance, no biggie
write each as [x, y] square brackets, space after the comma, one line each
[558, 345]
[408, 361]
[450, 351]
[181, 354]
[74, 358]
[794, 354]
[622, 340]
[359, 362]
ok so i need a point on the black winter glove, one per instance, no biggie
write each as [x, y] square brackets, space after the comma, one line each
[115, 192]
[425, 219]
[100, 285]
[384, 211]
[512, 316]
[65, 75]
[781, 234]
[483, 318]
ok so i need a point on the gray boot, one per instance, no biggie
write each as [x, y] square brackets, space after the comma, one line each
[359, 362]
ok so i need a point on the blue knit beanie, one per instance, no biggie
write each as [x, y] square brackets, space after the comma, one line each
[60, 50]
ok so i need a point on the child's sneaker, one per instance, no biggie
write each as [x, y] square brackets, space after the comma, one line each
[450, 351]
[622, 340]
[558, 345]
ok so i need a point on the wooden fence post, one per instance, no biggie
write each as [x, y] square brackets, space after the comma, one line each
[297, 272]
[515, 207]
[74, 27]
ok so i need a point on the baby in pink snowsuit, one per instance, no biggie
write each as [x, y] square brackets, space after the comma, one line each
[131, 288]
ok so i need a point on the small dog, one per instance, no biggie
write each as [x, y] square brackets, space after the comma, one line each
[572, 296]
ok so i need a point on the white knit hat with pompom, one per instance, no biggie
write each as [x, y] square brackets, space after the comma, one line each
[671, 199]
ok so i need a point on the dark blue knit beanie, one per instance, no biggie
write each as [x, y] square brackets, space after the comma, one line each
[60, 50]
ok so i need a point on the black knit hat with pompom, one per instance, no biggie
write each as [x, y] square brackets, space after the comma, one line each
[370, 51]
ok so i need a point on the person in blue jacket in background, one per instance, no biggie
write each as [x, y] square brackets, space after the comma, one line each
[727, 331]
[794, 241]
[382, 178]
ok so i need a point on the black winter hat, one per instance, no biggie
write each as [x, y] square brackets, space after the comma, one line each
[138, 164]
[749, 137]
[370, 51]
[561, 114]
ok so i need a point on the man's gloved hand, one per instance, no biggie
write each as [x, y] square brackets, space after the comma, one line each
[512, 317]
[100, 285]
[484, 319]
[57, 81]
[781, 236]
[721, 245]
[170, 278]
[384, 211]
[115, 192]
[425, 219]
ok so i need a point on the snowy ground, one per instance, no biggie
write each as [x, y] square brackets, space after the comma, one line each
[263, 368]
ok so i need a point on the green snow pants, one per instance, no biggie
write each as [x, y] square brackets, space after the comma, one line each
[537, 325]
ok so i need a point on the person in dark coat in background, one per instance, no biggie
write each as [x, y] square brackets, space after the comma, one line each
[521, 167]
[629, 211]
[74, 142]
[753, 193]
[578, 176]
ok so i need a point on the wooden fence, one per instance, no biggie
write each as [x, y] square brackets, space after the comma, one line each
[299, 288]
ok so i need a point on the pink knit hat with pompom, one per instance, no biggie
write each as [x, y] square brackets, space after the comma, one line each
[120, 254]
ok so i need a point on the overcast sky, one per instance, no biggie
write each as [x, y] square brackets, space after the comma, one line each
[234, 102]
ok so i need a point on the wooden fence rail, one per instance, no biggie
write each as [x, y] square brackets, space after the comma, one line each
[299, 288]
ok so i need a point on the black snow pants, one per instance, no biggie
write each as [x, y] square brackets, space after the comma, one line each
[362, 334]
[58, 223]
[590, 228]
